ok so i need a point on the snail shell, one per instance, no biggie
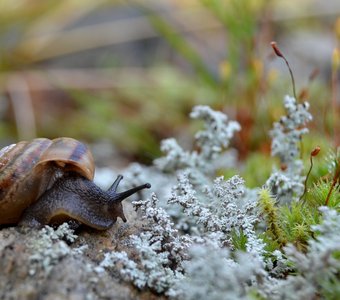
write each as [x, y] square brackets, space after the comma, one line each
[28, 169]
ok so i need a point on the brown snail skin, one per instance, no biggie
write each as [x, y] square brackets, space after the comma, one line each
[50, 181]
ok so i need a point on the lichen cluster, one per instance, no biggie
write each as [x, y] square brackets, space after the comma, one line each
[210, 237]
[287, 182]
[50, 246]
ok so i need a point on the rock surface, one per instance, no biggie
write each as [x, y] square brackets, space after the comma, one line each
[56, 264]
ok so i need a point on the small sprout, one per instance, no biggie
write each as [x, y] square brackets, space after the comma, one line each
[280, 54]
[336, 179]
[314, 152]
[276, 49]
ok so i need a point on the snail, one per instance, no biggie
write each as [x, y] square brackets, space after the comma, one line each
[47, 181]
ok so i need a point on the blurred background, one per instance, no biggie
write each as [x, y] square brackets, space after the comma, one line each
[123, 75]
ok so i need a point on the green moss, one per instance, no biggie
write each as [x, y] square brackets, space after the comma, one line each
[317, 195]
[239, 240]
[296, 221]
[270, 211]
[288, 223]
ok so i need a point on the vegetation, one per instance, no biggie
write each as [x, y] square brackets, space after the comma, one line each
[235, 212]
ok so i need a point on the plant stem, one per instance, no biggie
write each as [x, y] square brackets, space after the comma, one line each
[335, 179]
[310, 169]
[315, 152]
[280, 54]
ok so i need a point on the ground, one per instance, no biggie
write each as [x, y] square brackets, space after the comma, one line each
[45, 264]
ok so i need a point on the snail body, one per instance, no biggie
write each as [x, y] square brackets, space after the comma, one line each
[49, 181]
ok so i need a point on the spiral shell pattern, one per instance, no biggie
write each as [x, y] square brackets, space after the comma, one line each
[28, 169]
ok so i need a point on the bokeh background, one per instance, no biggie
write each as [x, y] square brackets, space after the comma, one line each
[123, 75]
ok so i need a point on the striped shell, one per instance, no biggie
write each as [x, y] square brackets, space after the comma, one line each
[27, 169]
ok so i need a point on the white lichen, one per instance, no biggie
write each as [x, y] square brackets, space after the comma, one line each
[50, 246]
[210, 143]
[206, 242]
[287, 183]
[217, 134]
[212, 273]
[223, 208]
[160, 252]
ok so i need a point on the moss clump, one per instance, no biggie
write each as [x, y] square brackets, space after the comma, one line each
[271, 215]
